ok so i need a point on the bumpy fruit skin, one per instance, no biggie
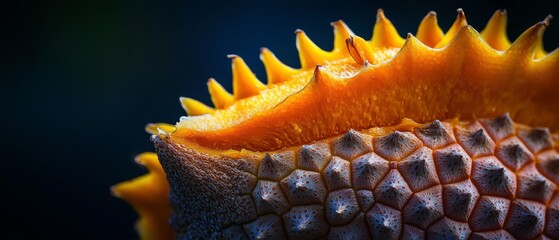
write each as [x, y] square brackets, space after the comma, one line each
[282, 159]
[442, 180]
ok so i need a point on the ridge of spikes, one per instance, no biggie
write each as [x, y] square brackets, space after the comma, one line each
[280, 113]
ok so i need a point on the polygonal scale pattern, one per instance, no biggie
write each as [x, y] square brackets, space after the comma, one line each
[534, 186]
[453, 164]
[526, 219]
[419, 169]
[269, 198]
[424, 208]
[337, 174]
[342, 206]
[493, 178]
[304, 187]
[266, 227]
[490, 179]
[396, 145]
[447, 228]
[475, 140]
[489, 214]
[393, 190]
[356, 229]
[459, 200]
[384, 222]
[513, 153]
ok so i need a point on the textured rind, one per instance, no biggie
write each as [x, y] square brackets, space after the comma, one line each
[360, 84]
[425, 189]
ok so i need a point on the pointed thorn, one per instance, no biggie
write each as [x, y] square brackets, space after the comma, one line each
[497, 172]
[380, 14]
[194, 107]
[460, 13]
[333, 24]
[159, 128]
[385, 35]
[318, 71]
[276, 71]
[221, 98]
[245, 83]
[547, 20]
[429, 32]
[309, 53]
[341, 33]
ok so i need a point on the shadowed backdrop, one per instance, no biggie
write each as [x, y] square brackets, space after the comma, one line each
[80, 79]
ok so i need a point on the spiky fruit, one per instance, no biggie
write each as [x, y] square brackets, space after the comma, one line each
[318, 152]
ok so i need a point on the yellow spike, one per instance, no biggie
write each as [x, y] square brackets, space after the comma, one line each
[148, 195]
[310, 54]
[360, 50]
[276, 71]
[495, 32]
[194, 107]
[524, 47]
[385, 34]
[245, 84]
[341, 34]
[454, 29]
[429, 31]
[540, 51]
[156, 128]
[221, 98]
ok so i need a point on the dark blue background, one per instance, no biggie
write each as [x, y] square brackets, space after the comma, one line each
[80, 79]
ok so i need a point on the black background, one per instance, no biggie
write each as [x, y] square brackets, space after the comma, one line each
[80, 79]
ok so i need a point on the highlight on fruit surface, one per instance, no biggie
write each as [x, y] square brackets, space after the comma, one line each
[384, 138]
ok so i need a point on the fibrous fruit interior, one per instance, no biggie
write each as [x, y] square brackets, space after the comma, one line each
[362, 84]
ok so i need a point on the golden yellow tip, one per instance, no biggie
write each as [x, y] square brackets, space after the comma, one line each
[276, 71]
[495, 32]
[148, 195]
[159, 128]
[245, 83]
[454, 29]
[341, 34]
[429, 31]
[385, 34]
[309, 53]
[221, 98]
[194, 107]
[540, 51]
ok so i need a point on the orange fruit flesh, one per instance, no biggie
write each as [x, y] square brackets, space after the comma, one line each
[465, 79]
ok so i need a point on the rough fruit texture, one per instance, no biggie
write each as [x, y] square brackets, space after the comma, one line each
[443, 180]
[315, 152]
